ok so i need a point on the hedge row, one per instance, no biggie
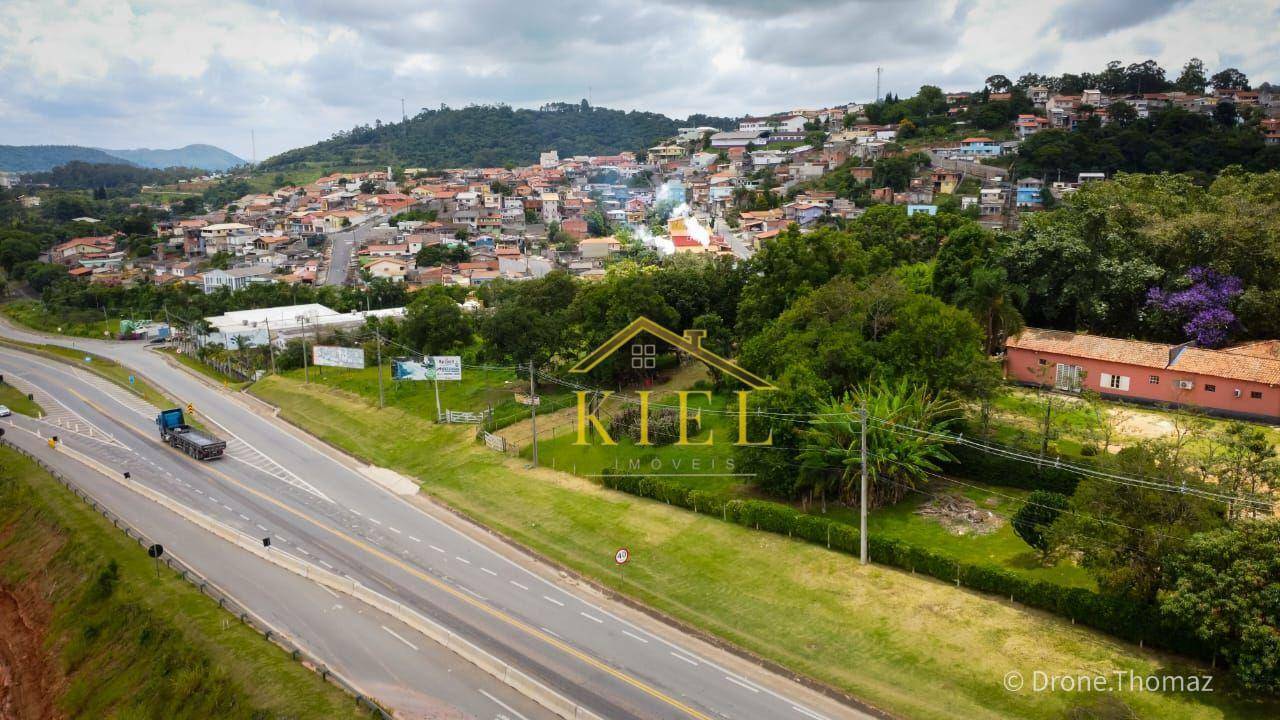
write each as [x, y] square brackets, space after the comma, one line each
[1119, 617]
[994, 469]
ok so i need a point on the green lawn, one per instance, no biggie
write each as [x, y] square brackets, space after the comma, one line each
[17, 401]
[140, 646]
[85, 323]
[208, 371]
[912, 645]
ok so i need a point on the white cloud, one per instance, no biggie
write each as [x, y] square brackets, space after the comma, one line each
[119, 74]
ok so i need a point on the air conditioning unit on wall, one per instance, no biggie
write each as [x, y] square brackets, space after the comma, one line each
[1185, 384]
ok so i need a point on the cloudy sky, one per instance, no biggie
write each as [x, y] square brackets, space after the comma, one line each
[163, 74]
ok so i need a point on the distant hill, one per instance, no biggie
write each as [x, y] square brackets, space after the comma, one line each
[38, 158]
[33, 158]
[205, 157]
[489, 135]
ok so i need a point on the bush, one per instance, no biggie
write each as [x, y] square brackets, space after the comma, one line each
[986, 467]
[1036, 515]
[1121, 617]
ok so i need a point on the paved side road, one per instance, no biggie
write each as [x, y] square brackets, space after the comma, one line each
[601, 654]
[342, 247]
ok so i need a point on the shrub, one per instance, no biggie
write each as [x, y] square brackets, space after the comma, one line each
[1036, 515]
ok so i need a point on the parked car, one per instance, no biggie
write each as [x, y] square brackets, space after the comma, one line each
[5, 411]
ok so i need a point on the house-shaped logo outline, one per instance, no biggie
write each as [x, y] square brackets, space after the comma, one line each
[690, 342]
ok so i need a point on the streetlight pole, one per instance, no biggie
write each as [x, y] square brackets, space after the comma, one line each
[306, 372]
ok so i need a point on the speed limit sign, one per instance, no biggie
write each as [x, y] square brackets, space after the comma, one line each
[622, 556]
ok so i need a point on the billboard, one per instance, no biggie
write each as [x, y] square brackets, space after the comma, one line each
[436, 367]
[334, 356]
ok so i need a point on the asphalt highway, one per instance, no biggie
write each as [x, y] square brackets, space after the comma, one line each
[321, 508]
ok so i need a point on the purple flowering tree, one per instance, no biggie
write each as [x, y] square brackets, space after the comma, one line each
[1203, 305]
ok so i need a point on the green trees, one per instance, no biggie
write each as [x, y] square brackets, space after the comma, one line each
[434, 323]
[848, 332]
[1225, 586]
[994, 302]
[898, 460]
[1031, 522]
[1125, 531]
[792, 265]
[441, 254]
[528, 320]
[1193, 78]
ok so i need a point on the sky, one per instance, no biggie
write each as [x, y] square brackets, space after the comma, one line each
[259, 77]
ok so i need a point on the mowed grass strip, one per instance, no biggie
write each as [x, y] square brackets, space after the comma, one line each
[17, 401]
[153, 646]
[911, 645]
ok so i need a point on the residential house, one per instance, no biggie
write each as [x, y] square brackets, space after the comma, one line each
[1241, 381]
[236, 278]
[388, 268]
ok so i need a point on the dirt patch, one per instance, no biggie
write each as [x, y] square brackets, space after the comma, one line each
[28, 674]
[960, 515]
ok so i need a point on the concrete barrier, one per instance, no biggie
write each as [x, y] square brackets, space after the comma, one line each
[463, 648]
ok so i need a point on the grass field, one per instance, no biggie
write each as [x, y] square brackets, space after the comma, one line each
[916, 647]
[16, 400]
[136, 645]
[86, 323]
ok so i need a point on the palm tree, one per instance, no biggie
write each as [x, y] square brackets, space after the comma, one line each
[902, 445]
[994, 301]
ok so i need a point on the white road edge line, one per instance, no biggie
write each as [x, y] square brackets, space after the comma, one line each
[502, 705]
[395, 635]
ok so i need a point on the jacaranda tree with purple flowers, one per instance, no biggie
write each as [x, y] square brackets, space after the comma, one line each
[1203, 305]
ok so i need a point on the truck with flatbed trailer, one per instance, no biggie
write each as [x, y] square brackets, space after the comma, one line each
[175, 431]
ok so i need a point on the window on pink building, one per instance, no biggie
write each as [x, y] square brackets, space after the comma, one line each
[1153, 379]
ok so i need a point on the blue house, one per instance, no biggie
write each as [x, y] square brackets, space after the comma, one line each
[926, 209]
[980, 147]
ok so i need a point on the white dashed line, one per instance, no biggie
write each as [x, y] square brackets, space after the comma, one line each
[243, 517]
[808, 713]
[548, 631]
[489, 571]
[437, 549]
[414, 539]
[503, 705]
[459, 557]
[633, 636]
[327, 565]
[552, 600]
[304, 551]
[355, 512]
[522, 587]
[739, 683]
[678, 656]
[393, 634]
[392, 529]
[261, 528]
[375, 521]
[471, 592]
[592, 618]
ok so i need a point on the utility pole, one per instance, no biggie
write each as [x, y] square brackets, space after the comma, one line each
[306, 372]
[271, 347]
[435, 380]
[878, 69]
[253, 144]
[533, 413]
[378, 336]
[403, 116]
[862, 532]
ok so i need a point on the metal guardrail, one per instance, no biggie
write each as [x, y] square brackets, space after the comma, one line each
[224, 600]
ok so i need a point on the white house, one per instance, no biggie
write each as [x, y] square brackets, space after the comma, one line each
[236, 278]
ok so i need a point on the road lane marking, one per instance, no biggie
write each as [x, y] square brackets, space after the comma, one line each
[261, 528]
[471, 592]
[392, 529]
[809, 713]
[739, 683]
[522, 587]
[502, 705]
[397, 636]
[592, 618]
[437, 549]
[633, 636]
[355, 512]
[459, 557]
[678, 656]
[327, 565]
[485, 569]
[243, 517]
[484, 607]
[375, 521]
[414, 539]
[549, 631]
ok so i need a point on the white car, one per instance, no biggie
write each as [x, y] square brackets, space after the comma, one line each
[5, 411]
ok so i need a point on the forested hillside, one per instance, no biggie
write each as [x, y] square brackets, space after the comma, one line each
[37, 158]
[32, 158]
[205, 157]
[490, 135]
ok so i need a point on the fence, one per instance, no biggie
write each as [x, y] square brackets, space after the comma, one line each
[225, 601]
[464, 417]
